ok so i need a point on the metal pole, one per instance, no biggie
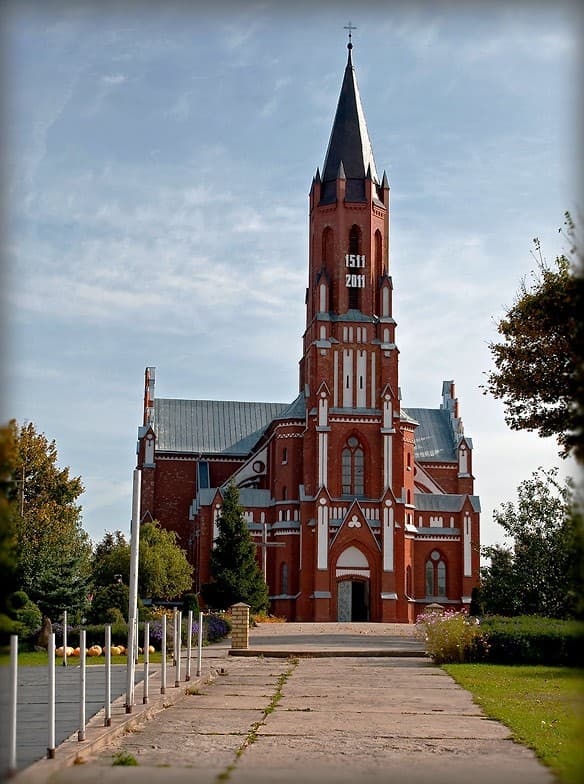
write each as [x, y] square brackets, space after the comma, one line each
[107, 721]
[189, 641]
[83, 663]
[146, 661]
[51, 746]
[13, 701]
[64, 638]
[163, 664]
[177, 647]
[133, 597]
[174, 635]
[200, 646]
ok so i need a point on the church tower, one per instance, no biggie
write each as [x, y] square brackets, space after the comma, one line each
[361, 509]
[356, 448]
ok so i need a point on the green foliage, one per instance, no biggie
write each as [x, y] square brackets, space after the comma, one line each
[191, 602]
[539, 362]
[164, 571]
[163, 568]
[8, 540]
[52, 550]
[124, 758]
[236, 574]
[540, 574]
[110, 603]
[450, 636]
[110, 560]
[28, 619]
[532, 640]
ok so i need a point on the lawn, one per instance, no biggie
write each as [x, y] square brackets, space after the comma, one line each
[542, 706]
[41, 659]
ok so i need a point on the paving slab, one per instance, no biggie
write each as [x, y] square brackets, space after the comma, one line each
[313, 720]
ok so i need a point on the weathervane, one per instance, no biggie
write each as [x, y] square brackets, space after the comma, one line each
[350, 28]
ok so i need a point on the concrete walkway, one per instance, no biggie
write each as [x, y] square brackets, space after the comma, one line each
[312, 719]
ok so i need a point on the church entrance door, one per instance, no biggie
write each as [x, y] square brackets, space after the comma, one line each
[352, 600]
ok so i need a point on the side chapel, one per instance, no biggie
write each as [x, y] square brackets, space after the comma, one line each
[362, 510]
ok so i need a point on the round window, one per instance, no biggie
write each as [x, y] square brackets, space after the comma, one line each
[435, 555]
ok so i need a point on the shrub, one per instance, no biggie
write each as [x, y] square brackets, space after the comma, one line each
[533, 640]
[28, 619]
[191, 602]
[451, 636]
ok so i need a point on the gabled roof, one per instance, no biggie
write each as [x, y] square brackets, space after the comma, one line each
[349, 143]
[451, 502]
[211, 426]
[434, 436]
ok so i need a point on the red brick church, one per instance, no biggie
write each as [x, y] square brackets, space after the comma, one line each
[362, 509]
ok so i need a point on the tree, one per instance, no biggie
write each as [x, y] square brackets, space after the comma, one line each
[163, 568]
[52, 549]
[164, 571]
[539, 362]
[540, 573]
[236, 574]
[8, 542]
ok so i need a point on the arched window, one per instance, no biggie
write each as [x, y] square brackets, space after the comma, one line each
[284, 578]
[354, 247]
[353, 468]
[327, 246]
[408, 581]
[378, 251]
[435, 575]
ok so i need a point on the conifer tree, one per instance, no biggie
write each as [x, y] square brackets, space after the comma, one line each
[235, 572]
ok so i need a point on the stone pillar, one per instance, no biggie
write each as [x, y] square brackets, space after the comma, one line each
[240, 625]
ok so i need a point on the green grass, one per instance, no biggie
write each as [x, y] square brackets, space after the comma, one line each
[542, 706]
[41, 659]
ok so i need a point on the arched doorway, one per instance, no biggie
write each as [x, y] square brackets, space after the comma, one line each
[353, 601]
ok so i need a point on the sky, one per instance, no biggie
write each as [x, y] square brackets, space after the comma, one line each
[157, 160]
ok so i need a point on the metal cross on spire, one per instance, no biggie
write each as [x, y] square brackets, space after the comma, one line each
[350, 27]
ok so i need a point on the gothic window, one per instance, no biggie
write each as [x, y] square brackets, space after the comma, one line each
[435, 575]
[354, 247]
[378, 248]
[284, 455]
[327, 246]
[284, 578]
[408, 581]
[353, 468]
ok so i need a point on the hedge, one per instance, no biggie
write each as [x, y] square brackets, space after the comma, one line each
[530, 639]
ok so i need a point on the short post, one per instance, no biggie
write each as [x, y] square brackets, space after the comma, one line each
[174, 635]
[146, 660]
[189, 644]
[200, 645]
[82, 674]
[13, 702]
[107, 720]
[51, 746]
[240, 625]
[163, 654]
[177, 644]
[64, 638]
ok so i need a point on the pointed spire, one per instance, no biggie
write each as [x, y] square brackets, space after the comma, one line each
[317, 175]
[341, 172]
[384, 181]
[349, 140]
[368, 175]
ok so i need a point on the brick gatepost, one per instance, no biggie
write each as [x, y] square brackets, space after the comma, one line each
[240, 625]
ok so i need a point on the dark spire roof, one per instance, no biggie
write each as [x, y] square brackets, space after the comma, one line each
[349, 141]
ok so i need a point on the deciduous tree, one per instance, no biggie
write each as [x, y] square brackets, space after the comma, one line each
[540, 571]
[539, 362]
[52, 551]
